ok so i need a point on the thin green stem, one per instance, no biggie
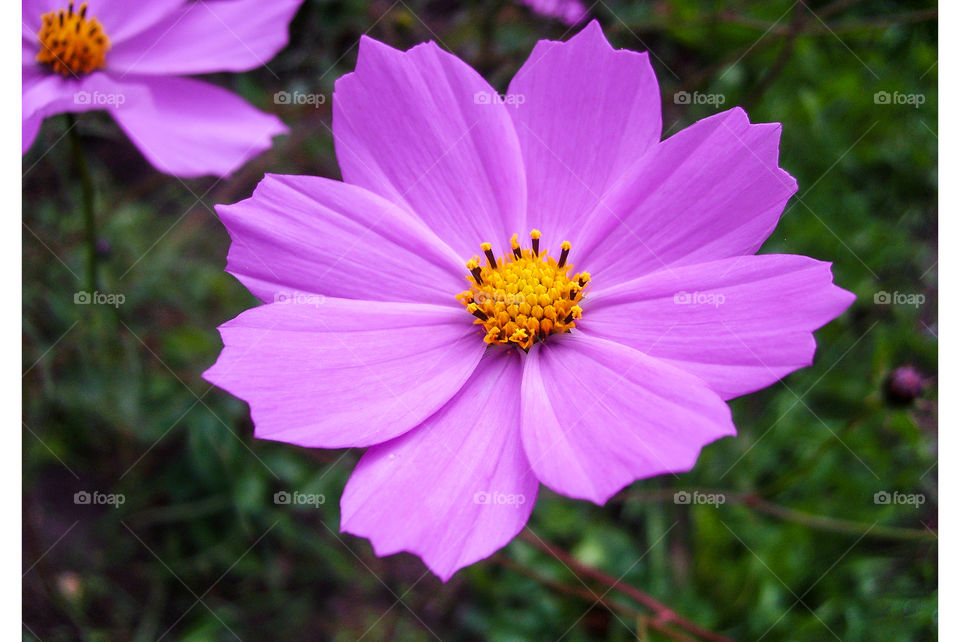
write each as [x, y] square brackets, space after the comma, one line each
[89, 215]
[661, 612]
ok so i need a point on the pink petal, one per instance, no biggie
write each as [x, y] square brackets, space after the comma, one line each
[740, 324]
[29, 130]
[455, 489]
[121, 19]
[329, 373]
[586, 112]
[39, 92]
[412, 126]
[598, 415]
[308, 234]
[191, 128]
[712, 191]
[29, 46]
[569, 12]
[46, 94]
[204, 37]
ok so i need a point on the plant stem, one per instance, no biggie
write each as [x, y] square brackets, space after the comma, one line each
[661, 612]
[643, 621]
[89, 216]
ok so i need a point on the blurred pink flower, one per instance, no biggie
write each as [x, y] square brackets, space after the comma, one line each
[473, 384]
[569, 12]
[128, 58]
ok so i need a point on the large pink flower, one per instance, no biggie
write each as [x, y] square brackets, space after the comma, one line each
[127, 57]
[475, 372]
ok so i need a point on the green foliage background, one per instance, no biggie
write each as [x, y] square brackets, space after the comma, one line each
[114, 401]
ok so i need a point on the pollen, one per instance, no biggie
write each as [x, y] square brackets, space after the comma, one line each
[524, 296]
[71, 43]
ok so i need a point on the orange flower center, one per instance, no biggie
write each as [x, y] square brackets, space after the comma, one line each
[71, 43]
[525, 296]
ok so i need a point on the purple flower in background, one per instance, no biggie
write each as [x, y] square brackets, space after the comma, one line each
[569, 12]
[127, 58]
[404, 314]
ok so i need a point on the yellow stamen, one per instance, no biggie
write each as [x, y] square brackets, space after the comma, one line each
[71, 43]
[526, 295]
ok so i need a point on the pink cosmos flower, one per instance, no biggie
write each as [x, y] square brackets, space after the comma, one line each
[569, 12]
[402, 313]
[127, 57]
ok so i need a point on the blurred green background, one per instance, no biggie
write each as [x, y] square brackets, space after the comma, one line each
[800, 549]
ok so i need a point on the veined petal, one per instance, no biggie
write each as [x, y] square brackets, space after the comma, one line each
[331, 373]
[712, 191]
[208, 36]
[309, 234]
[739, 324]
[456, 488]
[424, 130]
[584, 114]
[598, 415]
[192, 128]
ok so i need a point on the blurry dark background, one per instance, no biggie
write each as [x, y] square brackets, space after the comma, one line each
[803, 546]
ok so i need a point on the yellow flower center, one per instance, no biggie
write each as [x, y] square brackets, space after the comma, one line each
[525, 296]
[70, 43]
